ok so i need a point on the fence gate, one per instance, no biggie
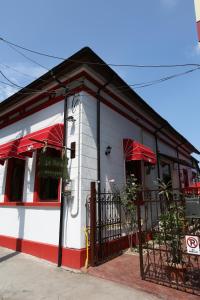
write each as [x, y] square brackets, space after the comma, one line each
[104, 224]
[169, 237]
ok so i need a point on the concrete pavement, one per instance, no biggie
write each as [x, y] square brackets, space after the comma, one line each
[23, 277]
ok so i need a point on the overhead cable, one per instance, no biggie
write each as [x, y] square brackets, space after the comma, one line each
[99, 63]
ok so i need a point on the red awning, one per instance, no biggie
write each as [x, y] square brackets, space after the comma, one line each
[136, 151]
[193, 189]
[52, 135]
[195, 185]
[8, 150]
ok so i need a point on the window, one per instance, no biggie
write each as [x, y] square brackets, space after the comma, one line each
[15, 180]
[47, 189]
[134, 167]
[166, 172]
[194, 176]
[185, 178]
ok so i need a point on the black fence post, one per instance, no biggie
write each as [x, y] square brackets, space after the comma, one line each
[140, 236]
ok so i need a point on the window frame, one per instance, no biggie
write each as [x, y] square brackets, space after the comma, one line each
[36, 196]
[7, 194]
[163, 163]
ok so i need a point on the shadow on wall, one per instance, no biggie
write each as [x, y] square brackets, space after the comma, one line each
[21, 220]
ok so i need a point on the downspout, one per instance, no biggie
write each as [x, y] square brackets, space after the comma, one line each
[65, 129]
[157, 149]
[99, 134]
[60, 243]
[179, 170]
[98, 112]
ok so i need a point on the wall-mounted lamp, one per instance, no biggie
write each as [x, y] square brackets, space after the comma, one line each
[71, 119]
[108, 150]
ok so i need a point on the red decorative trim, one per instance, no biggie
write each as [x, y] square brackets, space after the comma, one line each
[8, 181]
[11, 166]
[54, 100]
[128, 117]
[126, 105]
[31, 204]
[72, 258]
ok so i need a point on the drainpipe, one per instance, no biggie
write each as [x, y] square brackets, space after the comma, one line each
[157, 149]
[60, 243]
[179, 170]
[99, 133]
[98, 112]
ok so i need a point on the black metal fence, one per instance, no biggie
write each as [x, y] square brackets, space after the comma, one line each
[169, 236]
[104, 224]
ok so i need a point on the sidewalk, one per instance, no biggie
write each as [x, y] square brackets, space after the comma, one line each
[125, 270]
[25, 277]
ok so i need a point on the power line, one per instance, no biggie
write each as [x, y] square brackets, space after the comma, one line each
[157, 81]
[93, 63]
[123, 87]
[25, 56]
[10, 80]
[17, 71]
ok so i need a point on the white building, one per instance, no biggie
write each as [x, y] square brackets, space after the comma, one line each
[106, 112]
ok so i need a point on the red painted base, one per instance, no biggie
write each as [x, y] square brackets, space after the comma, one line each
[72, 258]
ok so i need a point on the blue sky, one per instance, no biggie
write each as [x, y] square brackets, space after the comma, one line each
[126, 32]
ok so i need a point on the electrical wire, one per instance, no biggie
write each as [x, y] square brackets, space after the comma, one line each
[17, 71]
[10, 80]
[30, 59]
[96, 63]
[157, 81]
[123, 87]
[11, 83]
[23, 73]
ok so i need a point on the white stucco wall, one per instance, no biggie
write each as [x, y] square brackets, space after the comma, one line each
[114, 128]
[30, 223]
[42, 224]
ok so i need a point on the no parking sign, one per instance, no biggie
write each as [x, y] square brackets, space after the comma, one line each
[192, 243]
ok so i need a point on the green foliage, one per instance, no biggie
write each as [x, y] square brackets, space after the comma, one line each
[171, 230]
[171, 222]
[165, 189]
[128, 196]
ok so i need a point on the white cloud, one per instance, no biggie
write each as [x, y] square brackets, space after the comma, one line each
[6, 92]
[196, 49]
[169, 3]
[18, 73]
